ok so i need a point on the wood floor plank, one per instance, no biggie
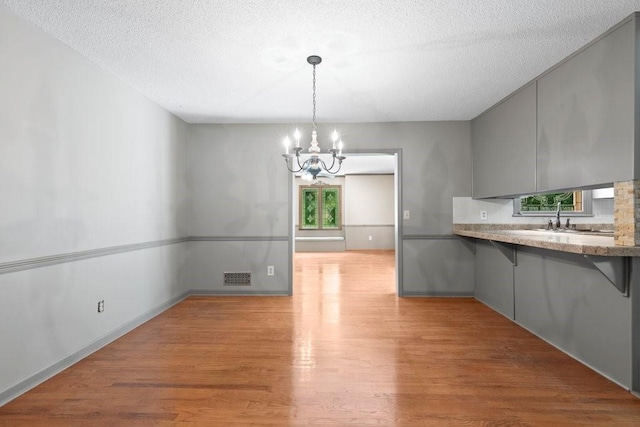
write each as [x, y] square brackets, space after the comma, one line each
[343, 351]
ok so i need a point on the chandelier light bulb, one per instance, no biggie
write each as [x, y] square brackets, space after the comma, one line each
[297, 135]
[286, 143]
[334, 138]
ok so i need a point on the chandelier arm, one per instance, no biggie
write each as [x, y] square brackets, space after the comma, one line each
[328, 169]
[289, 167]
[339, 167]
[299, 165]
[305, 165]
[332, 164]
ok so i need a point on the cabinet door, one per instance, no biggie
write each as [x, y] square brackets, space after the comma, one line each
[562, 298]
[503, 143]
[494, 279]
[586, 115]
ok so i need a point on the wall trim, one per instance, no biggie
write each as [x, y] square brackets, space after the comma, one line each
[46, 261]
[319, 238]
[40, 377]
[429, 237]
[238, 238]
[438, 294]
[370, 226]
[30, 263]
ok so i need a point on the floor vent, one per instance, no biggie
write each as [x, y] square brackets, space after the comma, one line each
[237, 279]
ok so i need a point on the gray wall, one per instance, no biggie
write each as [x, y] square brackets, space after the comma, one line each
[92, 187]
[253, 205]
[436, 166]
[238, 207]
[370, 212]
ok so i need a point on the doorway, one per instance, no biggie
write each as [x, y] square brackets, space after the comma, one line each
[359, 158]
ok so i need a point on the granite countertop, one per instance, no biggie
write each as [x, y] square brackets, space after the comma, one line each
[586, 244]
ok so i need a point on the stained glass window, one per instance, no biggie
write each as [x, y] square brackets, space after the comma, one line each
[320, 207]
[571, 203]
[330, 207]
[309, 212]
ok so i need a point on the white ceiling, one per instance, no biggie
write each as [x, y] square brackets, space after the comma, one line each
[232, 61]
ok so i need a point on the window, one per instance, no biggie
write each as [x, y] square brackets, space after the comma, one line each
[320, 207]
[572, 203]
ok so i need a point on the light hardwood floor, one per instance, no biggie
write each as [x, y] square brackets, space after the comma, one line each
[344, 350]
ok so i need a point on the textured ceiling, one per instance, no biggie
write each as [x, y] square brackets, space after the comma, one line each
[232, 61]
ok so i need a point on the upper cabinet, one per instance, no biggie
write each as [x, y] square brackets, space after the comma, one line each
[586, 109]
[503, 144]
[573, 127]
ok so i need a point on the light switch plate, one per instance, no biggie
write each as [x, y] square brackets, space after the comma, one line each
[406, 215]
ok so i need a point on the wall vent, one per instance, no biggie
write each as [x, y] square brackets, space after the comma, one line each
[237, 279]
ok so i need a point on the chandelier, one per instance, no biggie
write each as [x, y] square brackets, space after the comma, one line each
[314, 165]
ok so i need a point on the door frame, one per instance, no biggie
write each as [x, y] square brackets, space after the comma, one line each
[397, 174]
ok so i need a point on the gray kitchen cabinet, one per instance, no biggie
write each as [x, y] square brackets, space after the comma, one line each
[562, 298]
[503, 144]
[494, 279]
[586, 115]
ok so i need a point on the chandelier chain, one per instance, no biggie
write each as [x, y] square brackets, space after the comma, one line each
[314, 97]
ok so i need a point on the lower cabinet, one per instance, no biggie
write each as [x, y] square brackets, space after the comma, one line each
[494, 279]
[563, 299]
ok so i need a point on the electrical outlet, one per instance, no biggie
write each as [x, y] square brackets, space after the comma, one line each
[100, 306]
[483, 216]
[406, 214]
[271, 270]
[370, 237]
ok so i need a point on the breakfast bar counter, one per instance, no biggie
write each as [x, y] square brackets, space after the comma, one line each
[578, 242]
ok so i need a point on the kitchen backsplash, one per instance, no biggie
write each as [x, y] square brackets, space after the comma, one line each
[500, 211]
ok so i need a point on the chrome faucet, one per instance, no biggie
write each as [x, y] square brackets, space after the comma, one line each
[558, 223]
